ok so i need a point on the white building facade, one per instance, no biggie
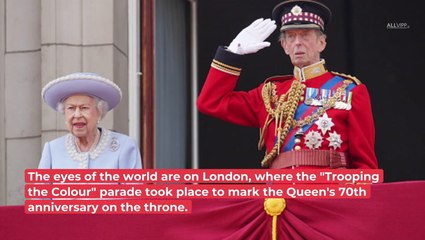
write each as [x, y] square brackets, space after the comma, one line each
[40, 41]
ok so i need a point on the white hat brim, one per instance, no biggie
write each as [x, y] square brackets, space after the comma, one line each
[81, 83]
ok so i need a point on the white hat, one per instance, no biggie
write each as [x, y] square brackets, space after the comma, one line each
[81, 83]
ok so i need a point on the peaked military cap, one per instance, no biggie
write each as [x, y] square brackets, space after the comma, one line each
[296, 14]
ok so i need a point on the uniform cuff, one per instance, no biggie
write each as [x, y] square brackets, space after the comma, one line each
[227, 61]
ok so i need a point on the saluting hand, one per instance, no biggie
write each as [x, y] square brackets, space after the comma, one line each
[251, 39]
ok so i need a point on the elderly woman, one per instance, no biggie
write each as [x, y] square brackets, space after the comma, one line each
[84, 99]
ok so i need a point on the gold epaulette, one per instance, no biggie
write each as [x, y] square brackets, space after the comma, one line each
[352, 78]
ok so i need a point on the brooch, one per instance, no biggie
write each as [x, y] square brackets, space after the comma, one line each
[115, 144]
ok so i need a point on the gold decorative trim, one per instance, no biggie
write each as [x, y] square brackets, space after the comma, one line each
[226, 68]
[311, 71]
[274, 207]
[283, 111]
[354, 79]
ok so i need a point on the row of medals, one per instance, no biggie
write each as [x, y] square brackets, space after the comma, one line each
[318, 97]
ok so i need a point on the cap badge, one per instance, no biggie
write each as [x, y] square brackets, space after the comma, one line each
[296, 10]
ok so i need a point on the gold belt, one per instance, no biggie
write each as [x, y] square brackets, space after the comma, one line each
[321, 158]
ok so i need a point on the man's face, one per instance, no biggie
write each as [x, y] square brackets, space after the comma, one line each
[303, 46]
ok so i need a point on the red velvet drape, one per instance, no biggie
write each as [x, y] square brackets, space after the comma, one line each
[395, 211]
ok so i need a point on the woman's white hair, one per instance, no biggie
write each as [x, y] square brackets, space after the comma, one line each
[101, 105]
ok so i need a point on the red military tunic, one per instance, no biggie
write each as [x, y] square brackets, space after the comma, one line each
[346, 129]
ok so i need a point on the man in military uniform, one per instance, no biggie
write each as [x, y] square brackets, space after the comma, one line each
[311, 119]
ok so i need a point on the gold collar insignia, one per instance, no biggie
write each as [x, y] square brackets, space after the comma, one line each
[310, 71]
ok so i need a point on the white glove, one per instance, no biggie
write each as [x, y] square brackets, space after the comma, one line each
[251, 39]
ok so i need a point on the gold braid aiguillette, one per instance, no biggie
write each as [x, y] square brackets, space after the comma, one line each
[284, 111]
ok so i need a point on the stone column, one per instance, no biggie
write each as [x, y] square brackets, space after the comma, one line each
[2, 105]
[42, 40]
[20, 101]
